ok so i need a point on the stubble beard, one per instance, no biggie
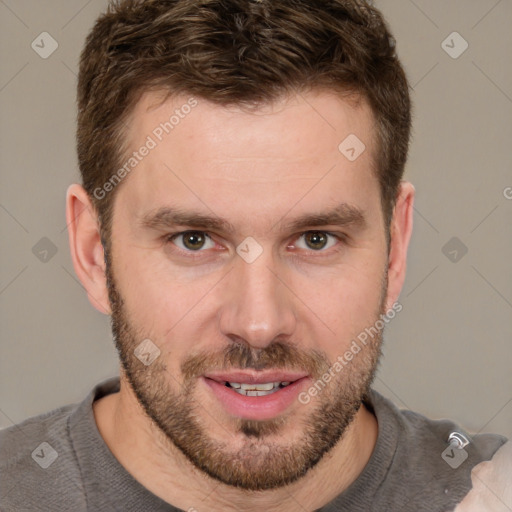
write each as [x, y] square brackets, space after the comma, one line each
[265, 460]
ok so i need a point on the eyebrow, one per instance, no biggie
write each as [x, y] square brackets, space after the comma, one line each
[166, 217]
[344, 215]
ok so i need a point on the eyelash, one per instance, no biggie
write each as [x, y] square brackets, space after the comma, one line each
[339, 236]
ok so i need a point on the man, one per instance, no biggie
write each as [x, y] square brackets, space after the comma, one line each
[244, 221]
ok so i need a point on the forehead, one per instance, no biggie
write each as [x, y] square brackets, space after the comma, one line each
[226, 157]
[308, 123]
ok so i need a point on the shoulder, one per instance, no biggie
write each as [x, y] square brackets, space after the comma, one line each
[38, 467]
[16, 440]
[429, 433]
[428, 464]
[39, 462]
[418, 432]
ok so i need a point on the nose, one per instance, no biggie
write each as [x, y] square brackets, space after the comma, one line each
[258, 306]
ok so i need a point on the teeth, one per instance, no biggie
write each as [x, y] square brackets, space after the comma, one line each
[258, 393]
[259, 387]
[254, 392]
[262, 389]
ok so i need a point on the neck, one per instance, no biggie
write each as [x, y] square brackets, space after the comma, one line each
[140, 447]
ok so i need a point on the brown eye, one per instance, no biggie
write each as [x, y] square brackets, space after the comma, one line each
[316, 240]
[192, 240]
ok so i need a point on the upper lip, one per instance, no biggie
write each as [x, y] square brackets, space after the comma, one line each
[256, 377]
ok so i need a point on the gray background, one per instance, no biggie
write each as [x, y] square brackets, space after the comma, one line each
[447, 354]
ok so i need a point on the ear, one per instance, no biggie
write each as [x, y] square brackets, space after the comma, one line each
[400, 231]
[86, 248]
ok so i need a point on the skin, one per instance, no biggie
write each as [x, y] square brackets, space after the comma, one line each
[229, 162]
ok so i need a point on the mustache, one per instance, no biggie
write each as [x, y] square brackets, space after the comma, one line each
[239, 356]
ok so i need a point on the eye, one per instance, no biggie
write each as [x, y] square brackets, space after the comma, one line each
[192, 241]
[317, 240]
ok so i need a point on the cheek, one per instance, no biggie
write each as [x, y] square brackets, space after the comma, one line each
[147, 296]
[342, 306]
[163, 304]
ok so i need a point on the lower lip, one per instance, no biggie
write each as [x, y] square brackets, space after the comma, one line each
[256, 407]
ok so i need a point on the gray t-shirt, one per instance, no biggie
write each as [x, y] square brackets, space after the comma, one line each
[59, 462]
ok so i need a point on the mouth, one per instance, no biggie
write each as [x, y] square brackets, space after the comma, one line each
[264, 389]
[256, 395]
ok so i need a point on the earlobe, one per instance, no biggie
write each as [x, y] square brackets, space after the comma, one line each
[401, 230]
[85, 246]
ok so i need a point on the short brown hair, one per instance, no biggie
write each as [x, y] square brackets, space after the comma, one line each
[241, 52]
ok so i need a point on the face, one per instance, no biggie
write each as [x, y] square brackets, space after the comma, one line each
[251, 252]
